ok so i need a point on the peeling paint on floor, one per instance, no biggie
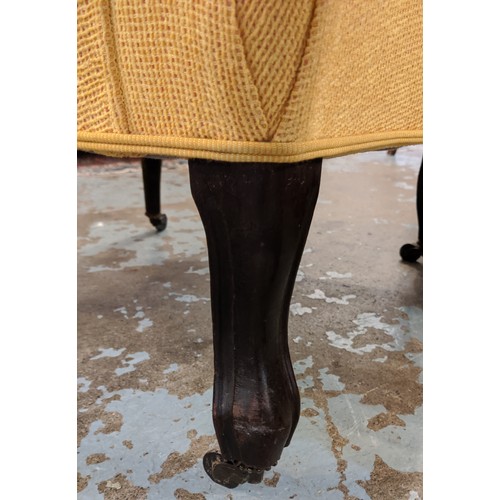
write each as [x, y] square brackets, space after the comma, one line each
[145, 360]
[395, 334]
[319, 294]
[297, 309]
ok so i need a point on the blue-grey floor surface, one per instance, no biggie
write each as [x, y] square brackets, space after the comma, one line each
[145, 359]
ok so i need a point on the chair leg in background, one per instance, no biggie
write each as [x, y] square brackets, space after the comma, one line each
[412, 252]
[151, 177]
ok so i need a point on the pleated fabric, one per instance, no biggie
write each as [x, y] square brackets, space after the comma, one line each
[248, 80]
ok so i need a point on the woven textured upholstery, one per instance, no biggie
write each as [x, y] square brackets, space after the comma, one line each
[248, 80]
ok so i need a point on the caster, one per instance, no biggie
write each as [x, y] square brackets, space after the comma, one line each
[410, 252]
[230, 474]
[159, 221]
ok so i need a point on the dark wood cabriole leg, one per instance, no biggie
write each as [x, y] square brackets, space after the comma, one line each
[256, 218]
[412, 252]
[151, 177]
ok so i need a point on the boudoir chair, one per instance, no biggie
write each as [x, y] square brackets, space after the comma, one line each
[254, 94]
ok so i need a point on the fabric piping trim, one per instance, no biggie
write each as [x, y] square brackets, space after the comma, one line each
[275, 152]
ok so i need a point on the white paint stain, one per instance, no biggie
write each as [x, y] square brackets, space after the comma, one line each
[122, 310]
[187, 298]
[201, 272]
[300, 366]
[335, 275]
[405, 185]
[298, 309]
[108, 353]
[400, 332]
[130, 361]
[319, 294]
[83, 384]
[305, 382]
[339, 341]
[330, 381]
[172, 368]
[186, 237]
[418, 360]
[402, 199]
[296, 340]
[144, 322]
[300, 276]
[143, 325]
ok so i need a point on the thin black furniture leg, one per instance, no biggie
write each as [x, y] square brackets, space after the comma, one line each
[151, 177]
[410, 252]
[256, 218]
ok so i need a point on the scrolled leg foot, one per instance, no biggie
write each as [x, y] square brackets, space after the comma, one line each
[230, 474]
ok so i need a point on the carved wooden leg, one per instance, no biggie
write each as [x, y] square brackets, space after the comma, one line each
[256, 218]
[151, 177]
[410, 252]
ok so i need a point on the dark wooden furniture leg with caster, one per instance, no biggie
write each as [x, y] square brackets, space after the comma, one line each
[151, 177]
[256, 218]
[410, 252]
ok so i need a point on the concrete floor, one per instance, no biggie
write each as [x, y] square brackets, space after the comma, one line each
[145, 352]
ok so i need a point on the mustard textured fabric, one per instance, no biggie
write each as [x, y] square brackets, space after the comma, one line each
[248, 80]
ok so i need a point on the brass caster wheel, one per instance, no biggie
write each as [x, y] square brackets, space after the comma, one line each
[410, 252]
[159, 221]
